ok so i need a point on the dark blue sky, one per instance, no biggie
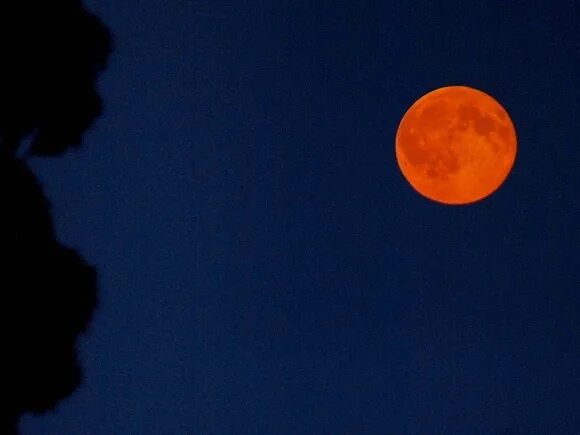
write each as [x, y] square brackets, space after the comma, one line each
[264, 267]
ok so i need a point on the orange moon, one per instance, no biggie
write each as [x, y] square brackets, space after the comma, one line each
[456, 145]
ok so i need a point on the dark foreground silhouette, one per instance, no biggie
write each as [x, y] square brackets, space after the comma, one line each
[52, 54]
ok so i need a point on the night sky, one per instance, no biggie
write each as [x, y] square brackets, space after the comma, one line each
[264, 268]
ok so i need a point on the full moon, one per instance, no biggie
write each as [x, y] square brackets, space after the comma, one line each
[455, 145]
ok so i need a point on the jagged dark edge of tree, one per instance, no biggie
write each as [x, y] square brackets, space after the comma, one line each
[53, 54]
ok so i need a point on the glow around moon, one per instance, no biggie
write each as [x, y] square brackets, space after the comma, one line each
[456, 145]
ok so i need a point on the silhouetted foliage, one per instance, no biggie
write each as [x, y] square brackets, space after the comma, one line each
[52, 54]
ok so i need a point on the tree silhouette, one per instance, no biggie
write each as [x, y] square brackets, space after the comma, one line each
[52, 54]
